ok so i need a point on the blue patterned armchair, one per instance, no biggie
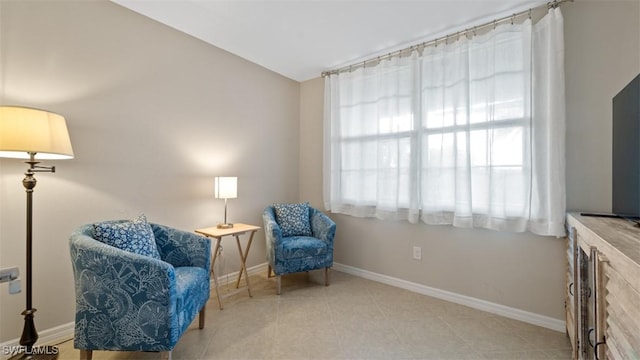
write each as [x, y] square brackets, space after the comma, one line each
[132, 302]
[299, 238]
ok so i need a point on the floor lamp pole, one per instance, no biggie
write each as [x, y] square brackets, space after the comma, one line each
[29, 333]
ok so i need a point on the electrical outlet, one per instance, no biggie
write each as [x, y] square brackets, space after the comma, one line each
[417, 253]
[9, 274]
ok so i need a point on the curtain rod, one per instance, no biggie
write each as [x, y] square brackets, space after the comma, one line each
[550, 5]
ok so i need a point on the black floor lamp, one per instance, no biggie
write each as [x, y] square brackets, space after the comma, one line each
[33, 134]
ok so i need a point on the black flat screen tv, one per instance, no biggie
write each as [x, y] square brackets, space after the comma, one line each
[626, 151]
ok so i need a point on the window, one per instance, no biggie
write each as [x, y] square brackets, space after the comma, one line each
[457, 134]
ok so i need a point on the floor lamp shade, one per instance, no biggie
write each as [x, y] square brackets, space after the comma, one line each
[25, 130]
[33, 135]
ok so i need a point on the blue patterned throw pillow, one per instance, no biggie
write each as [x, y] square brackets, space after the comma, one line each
[293, 219]
[135, 236]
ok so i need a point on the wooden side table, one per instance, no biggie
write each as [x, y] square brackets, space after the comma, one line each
[235, 231]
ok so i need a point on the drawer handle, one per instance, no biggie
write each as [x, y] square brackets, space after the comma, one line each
[595, 349]
[570, 289]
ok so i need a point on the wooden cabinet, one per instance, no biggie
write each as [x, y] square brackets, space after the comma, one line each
[603, 288]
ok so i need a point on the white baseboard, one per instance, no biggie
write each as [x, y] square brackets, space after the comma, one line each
[64, 332]
[232, 277]
[52, 336]
[502, 310]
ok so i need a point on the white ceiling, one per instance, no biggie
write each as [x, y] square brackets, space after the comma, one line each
[301, 38]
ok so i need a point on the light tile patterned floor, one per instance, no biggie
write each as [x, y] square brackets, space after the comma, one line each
[353, 318]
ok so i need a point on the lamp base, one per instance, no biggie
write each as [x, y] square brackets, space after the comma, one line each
[224, 226]
[37, 353]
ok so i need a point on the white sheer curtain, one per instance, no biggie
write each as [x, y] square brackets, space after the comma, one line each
[371, 139]
[470, 133]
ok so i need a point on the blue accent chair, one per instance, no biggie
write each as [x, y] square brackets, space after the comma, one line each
[131, 302]
[293, 254]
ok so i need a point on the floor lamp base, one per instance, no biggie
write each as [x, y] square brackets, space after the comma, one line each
[37, 353]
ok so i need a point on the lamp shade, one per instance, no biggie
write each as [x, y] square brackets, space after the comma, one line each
[25, 130]
[226, 187]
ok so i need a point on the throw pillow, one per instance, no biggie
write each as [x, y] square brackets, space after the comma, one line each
[293, 219]
[135, 236]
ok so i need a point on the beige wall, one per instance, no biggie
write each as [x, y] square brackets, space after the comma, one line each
[523, 271]
[153, 116]
[602, 56]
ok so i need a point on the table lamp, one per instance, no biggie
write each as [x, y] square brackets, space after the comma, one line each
[33, 134]
[225, 187]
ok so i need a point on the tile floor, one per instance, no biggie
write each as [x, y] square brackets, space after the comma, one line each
[353, 318]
